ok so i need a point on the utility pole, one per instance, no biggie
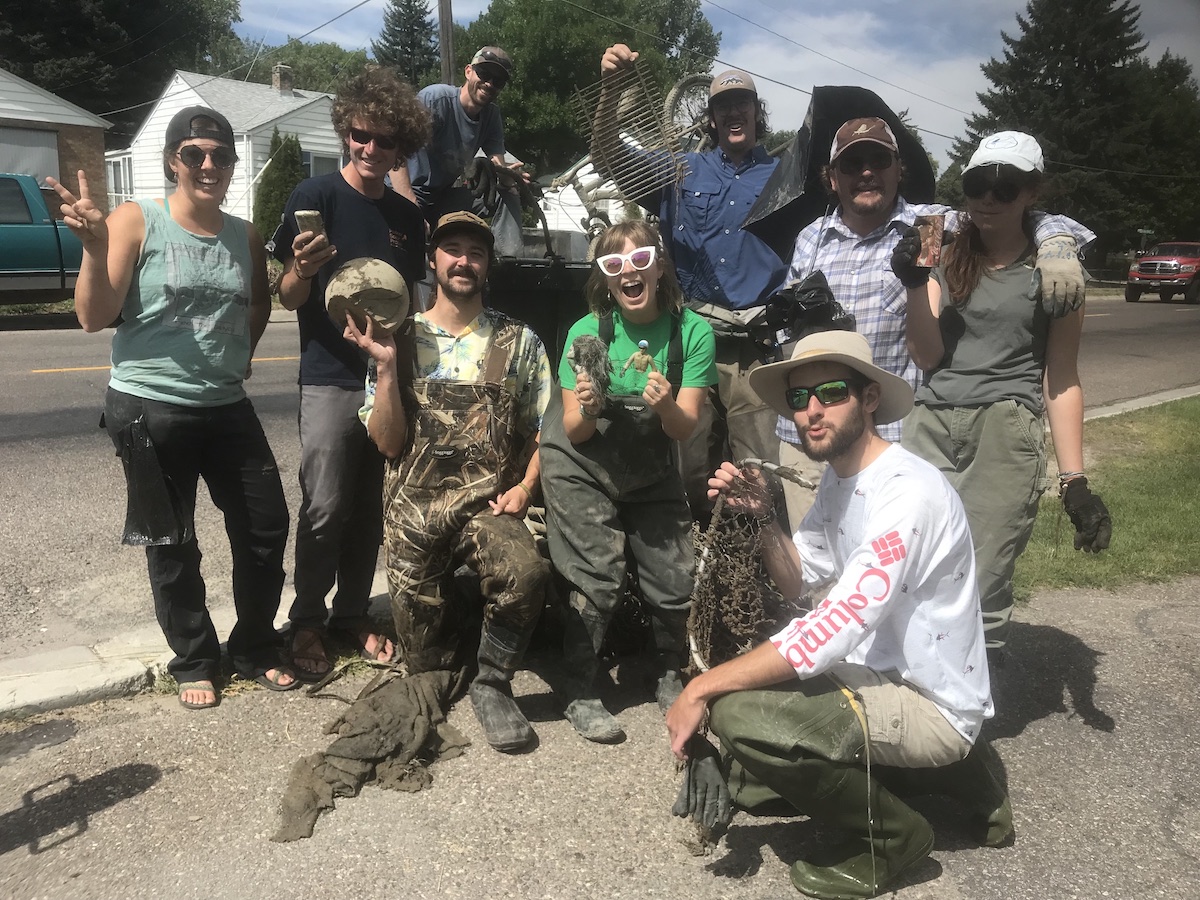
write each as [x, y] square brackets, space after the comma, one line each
[446, 40]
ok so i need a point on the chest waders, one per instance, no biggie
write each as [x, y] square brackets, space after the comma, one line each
[620, 488]
[436, 517]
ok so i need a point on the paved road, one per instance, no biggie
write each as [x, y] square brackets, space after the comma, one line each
[65, 580]
[142, 799]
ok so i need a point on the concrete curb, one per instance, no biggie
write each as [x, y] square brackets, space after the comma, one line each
[131, 662]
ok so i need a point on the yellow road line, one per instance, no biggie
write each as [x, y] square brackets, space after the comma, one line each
[105, 368]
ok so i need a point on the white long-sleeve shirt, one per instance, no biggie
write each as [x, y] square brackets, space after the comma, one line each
[893, 545]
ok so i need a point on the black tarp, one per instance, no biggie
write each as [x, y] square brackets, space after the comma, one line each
[794, 195]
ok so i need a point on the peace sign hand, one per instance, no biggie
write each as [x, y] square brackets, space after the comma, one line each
[82, 216]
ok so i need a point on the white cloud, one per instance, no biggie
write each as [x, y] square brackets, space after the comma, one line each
[929, 50]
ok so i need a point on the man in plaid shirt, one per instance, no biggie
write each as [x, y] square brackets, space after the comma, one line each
[852, 245]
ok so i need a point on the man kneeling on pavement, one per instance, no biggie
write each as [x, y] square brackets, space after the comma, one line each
[462, 450]
[886, 679]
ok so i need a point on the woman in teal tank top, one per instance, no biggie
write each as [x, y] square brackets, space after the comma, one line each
[189, 283]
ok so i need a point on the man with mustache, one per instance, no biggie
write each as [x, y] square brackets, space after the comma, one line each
[465, 120]
[456, 405]
[727, 274]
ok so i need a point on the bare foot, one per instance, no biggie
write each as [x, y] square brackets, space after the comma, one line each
[378, 647]
[197, 695]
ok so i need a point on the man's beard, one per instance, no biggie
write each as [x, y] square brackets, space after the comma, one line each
[839, 440]
[451, 291]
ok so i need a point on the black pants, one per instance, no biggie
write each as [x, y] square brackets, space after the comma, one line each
[226, 446]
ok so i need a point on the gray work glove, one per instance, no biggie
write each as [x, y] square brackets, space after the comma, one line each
[904, 258]
[1089, 515]
[704, 796]
[1062, 275]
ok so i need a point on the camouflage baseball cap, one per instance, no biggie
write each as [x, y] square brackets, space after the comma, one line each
[367, 287]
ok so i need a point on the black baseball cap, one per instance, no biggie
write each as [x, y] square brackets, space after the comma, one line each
[184, 125]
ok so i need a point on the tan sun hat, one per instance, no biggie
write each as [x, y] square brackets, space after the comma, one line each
[367, 287]
[846, 347]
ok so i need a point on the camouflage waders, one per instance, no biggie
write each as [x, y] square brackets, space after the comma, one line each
[436, 517]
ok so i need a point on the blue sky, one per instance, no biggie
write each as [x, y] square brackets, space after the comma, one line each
[923, 55]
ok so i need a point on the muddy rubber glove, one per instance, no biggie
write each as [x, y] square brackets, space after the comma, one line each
[904, 259]
[1062, 275]
[704, 796]
[1089, 515]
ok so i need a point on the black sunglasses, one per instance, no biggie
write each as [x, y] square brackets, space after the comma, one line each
[193, 157]
[977, 182]
[382, 141]
[491, 73]
[875, 160]
[827, 393]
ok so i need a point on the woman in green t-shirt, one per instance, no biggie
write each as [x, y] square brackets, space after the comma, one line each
[608, 470]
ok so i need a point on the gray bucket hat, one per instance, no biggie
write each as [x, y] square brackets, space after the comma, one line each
[367, 287]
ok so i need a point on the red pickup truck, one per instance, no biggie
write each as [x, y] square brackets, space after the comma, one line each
[1168, 269]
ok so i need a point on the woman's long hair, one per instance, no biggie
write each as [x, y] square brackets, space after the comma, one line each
[965, 261]
[600, 300]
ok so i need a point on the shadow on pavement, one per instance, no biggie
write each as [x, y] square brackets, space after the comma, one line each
[59, 809]
[1043, 668]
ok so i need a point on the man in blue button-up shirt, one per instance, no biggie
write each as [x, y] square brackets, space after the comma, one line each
[726, 273]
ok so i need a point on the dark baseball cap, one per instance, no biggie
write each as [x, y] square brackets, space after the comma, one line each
[185, 124]
[493, 56]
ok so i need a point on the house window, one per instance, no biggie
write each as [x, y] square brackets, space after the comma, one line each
[316, 164]
[120, 180]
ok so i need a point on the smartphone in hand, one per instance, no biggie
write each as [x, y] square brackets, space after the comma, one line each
[309, 220]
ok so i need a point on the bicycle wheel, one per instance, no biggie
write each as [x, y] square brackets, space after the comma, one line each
[686, 108]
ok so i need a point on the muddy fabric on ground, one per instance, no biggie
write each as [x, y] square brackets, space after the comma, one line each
[389, 735]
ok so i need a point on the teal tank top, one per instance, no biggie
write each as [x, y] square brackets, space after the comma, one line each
[185, 337]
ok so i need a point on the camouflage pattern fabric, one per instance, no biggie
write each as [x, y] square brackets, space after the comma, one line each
[436, 514]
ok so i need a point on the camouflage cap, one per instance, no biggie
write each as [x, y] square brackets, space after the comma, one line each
[367, 287]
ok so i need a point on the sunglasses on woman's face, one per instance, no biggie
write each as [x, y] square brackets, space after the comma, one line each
[364, 137]
[827, 394]
[978, 182]
[614, 263]
[193, 157]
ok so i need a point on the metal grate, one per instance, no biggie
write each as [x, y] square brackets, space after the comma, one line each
[631, 140]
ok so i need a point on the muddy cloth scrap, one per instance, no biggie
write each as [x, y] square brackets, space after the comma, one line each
[388, 736]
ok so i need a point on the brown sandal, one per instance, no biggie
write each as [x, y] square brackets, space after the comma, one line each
[310, 663]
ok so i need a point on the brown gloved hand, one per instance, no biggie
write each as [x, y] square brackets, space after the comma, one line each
[1089, 515]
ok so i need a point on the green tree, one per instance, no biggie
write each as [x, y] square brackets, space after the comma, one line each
[315, 67]
[1075, 78]
[556, 48]
[408, 42]
[112, 58]
[283, 172]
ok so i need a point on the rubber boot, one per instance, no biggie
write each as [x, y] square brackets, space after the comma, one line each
[972, 781]
[582, 635]
[504, 725]
[873, 857]
[670, 654]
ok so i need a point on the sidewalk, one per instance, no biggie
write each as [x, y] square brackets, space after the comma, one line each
[129, 663]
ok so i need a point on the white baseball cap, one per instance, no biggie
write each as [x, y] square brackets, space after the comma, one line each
[1008, 148]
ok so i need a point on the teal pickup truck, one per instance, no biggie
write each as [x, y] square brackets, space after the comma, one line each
[39, 256]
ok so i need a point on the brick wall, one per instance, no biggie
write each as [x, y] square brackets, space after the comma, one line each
[82, 147]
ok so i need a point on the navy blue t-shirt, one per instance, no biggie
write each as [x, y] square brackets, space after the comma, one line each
[390, 228]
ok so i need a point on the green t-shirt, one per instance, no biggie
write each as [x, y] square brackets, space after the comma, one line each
[699, 351]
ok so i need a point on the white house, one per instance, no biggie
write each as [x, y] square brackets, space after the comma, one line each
[42, 134]
[253, 110]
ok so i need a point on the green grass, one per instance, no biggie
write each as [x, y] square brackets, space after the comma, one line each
[26, 309]
[1145, 465]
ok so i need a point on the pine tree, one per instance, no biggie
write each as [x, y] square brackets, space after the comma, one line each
[408, 42]
[1075, 78]
[283, 173]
